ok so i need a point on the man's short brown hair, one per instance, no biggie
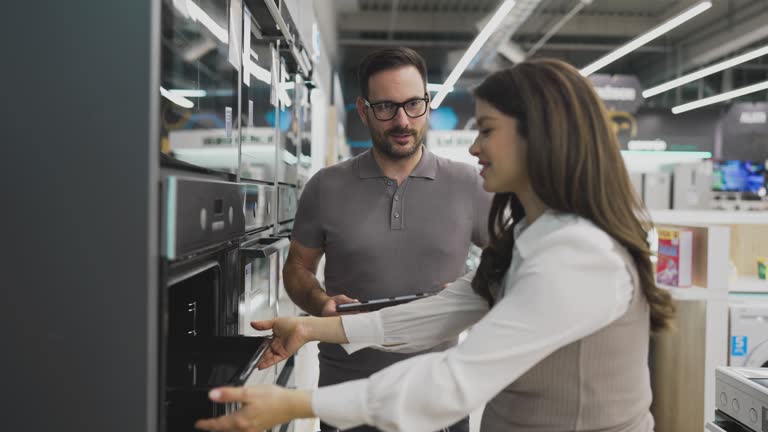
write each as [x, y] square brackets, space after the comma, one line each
[389, 58]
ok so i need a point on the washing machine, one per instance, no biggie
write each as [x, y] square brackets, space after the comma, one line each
[748, 344]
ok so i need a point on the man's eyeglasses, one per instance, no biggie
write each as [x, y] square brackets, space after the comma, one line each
[384, 111]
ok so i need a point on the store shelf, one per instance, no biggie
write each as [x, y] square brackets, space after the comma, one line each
[691, 293]
[704, 217]
[749, 284]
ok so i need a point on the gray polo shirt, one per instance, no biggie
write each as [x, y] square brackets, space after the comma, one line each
[381, 240]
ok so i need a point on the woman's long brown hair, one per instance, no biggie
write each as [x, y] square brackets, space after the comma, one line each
[574, 165]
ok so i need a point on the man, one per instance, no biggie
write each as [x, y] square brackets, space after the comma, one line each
[392, 221]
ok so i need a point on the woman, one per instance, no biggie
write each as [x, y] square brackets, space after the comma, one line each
[561, 306]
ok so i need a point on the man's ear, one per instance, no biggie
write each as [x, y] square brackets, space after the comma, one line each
[362, 110]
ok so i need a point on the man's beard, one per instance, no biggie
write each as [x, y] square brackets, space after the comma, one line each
[394, 151]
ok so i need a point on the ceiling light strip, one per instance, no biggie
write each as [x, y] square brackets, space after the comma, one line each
[706, 72]
[471, 52]
[199, 15]
[721, 97]
[646, 37]
[175, 98]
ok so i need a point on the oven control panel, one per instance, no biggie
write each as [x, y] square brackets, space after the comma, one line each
[742, 394]
[200, 213]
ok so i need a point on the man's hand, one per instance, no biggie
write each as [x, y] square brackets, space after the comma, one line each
[329, 308]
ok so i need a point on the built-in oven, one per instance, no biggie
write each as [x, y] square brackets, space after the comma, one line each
[199, 83]
[200, 351]
[259, 270]
[259, 120]
[303, 96]
[259, 260]
[201, 344]
[287, 203]
[259, 206]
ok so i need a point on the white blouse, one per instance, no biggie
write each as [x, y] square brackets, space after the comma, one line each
[567, 280]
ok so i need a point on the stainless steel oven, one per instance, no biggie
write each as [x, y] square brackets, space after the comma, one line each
[259, 271]
[259, 206]
[199, 83]
[287, 203]
[202, 343]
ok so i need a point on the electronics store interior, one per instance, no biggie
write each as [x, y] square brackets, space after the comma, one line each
[197, 249]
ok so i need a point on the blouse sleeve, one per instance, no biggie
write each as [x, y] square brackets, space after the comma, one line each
[555, 298]
[418, 325]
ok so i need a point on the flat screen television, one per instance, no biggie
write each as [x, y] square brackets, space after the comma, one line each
[738, 176]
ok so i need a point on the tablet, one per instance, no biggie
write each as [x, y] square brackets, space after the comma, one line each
[372, 305]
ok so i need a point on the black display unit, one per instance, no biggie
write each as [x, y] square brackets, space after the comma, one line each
[99, 300]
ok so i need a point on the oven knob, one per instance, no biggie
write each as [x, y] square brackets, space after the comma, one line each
[735, 405]
[231, 215]
[752, 415]
[723, 399]
[203, 219]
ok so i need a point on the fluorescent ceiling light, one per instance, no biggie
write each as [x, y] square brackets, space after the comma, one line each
[721, 97]
[689, 154]
[284, 97]
[437, 87]
[188, 93]
[178, 100]
[265, 75]
[257, 71]
[647, 145]
[701, 73]
[197, 14]
[650, 161]
[481, 38]
[645, 38]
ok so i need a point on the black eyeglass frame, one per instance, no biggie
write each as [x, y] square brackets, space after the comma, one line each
[398, 105]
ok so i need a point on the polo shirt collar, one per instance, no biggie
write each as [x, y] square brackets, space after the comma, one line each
[427, 167]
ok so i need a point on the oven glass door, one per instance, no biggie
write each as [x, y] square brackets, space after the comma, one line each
[193, 301]
[199, 82]
[197, 356]
[259, 150]
[259, 270]
[198, 364]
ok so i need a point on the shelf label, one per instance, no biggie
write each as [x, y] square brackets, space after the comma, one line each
[228, 121]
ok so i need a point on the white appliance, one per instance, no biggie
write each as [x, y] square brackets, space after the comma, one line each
[748, 342]
[692, 186]
[741, 399]
[636, 178]
[657, 190]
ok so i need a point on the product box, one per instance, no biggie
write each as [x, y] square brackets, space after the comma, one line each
[762, 263]
[675, 258]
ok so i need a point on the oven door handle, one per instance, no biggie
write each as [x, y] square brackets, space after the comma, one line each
[251, 366]
[265, 247]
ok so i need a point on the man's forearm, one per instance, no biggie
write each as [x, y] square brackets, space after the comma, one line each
[304, 289]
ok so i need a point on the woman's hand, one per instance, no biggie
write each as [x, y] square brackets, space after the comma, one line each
[264, 406]
[289, 334]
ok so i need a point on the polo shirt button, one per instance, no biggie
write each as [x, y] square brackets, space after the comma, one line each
[397, 215]
[397, 198]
